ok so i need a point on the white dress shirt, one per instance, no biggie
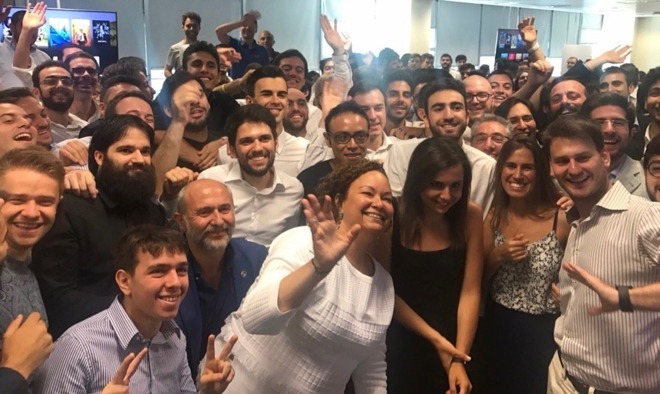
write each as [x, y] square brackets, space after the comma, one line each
[261, 215]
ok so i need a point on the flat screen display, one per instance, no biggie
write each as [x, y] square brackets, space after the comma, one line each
[95, 31]
[510, 46]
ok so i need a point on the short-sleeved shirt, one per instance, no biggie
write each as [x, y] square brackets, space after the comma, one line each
[249, 54]
[175, 55]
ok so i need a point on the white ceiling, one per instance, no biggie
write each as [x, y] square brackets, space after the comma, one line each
[639, 7]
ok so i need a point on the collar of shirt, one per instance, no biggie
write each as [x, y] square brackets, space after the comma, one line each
[616, 199]
[234, 175]
[127, 332]
[226, 262]
[387, 143]
[16, 265]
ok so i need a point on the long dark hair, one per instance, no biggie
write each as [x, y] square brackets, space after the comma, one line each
[544, 194]
[429, 158]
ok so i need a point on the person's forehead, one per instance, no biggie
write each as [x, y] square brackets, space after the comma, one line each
[12, 109]
[490, 128]
[133, 103]
[571, 146]
[194, 84]
[348, 120]
[114, 90]
[253, 129]
[29, 102]
[614, 77]
[295, 94]
[54, 71]
[608, 110]
[277, 84]
[202, 55]
[568, 86]
[476, 83]
[190, 22]
[82, 62]
[133, 136]
[200, 191]
[146, 259]
[372, 97]
[398, 85]
[292, 61]
[445, 96]
[500, 78]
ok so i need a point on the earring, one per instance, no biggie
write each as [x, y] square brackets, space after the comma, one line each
[340, 216]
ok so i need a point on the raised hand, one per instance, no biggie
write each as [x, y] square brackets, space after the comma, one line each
[330, 240]
[176, 179]
[332, 36]
[565, 203]
[608, 295]
[335, 89]
[34, 18]
[617, 55]
[26, 344]
[539, 72]
[528, 31]
[218, 372]
[250, 19]
[121, 380]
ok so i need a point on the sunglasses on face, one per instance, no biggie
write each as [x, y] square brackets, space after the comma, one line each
[81, 71]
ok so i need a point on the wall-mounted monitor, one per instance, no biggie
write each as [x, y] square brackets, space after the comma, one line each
[95, 31]
[510, 46]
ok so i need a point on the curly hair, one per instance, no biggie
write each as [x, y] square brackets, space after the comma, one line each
[337, 183]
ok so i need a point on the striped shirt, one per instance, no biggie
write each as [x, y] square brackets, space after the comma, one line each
[88, 355]
[620, 243]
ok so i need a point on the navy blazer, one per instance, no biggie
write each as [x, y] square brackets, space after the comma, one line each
[246, 259]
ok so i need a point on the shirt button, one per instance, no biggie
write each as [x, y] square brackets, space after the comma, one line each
[243, 274]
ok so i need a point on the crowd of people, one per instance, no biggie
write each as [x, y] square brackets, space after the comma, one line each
[379, 225]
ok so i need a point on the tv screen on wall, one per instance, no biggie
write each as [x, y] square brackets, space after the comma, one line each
[510, 46]
[95, 31]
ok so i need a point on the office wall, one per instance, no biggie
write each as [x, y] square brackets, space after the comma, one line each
[645, 53]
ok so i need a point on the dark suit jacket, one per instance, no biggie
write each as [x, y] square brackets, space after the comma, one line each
[245, 258]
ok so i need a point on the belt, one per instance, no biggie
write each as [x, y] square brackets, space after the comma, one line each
[582, 388]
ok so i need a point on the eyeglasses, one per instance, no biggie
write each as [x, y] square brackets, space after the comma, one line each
[53, 81]
[344, 138]
[81, 71]
[481, 96]
[482, 138]
[614, 122]
[654, 169]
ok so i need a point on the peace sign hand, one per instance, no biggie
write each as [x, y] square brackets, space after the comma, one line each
[218, 372]
[121, 380]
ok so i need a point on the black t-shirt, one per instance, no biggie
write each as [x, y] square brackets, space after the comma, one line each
[311, 176]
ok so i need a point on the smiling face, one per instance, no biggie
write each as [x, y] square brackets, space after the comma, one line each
[614, 126]
[566, 97]
[343, 125]
[208, 220]
[373, 104]
[131, 154]
[16, 130]
[615, 83]
[368, 203]
[55, 88]
[255, 149]
[653, 102]
[399, 100]
[489, 137]
[445, 190]
[652, 177]
[154, 291]
[298, 112]
[137, 107]
[519, 174]
[294, 71]
[85, 75]
[580, 169]
[271, 93]
[190, 29]
[31, 200]
[445, 62]
[446, 114]
[502, 88]
[38, 118]
[522, 120]
[203, 65]
[476, 86]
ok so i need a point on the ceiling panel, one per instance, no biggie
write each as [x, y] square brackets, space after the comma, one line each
[639, 7]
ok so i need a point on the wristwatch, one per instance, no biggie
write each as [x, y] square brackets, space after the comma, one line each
[624, 298]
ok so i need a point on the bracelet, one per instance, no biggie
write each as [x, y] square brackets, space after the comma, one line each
[318, 270]
[624, 298]
[534, 48]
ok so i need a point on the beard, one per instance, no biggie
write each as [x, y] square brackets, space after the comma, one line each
[199, 236]
[125, 188]
[57, 106]
[196, 127]
[245, 166]
[569, 108]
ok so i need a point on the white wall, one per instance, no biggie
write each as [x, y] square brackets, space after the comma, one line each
[645, 53]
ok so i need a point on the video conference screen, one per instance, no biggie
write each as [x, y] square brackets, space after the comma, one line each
[95, 31]
[510, 46]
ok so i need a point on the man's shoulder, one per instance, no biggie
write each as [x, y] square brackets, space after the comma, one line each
[85, 331]
[249, 248]
[291, 184]
[218, 173]
[477, 157]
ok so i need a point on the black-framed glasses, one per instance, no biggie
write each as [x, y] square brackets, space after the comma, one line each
[481, 96]
[360, 137]
[53, 81]
[654, 169]
[81, 71]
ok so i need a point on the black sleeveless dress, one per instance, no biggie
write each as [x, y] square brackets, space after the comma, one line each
[430, 283]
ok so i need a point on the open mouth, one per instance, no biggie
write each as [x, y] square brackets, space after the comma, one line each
[23, 137]
[28, 226]
[518, 186]
[578, 182]
[376, 215]
[197, 112]
[170, 298]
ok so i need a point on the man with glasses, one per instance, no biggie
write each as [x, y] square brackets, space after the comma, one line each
[346, 133]
[53, 85]
[652, 169]
[479, 101]
[85, 71]
[616, 120]
[490, 133]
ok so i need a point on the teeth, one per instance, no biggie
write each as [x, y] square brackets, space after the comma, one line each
[374, 215]
[27, 226]
[23, 137]
[170, 298]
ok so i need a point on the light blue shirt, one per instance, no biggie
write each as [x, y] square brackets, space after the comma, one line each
[88, 355]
